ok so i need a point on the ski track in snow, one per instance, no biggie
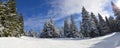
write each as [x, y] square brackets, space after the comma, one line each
[108, 41]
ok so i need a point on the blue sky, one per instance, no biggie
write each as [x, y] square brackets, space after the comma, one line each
[36, 12]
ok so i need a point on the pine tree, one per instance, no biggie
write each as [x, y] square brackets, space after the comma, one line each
[9, 20]
[88, 26]
[55, 32]
[85, 26]
[34, 34]
[116, 11]
[66, 28]
[4, 22]
[94, 26]
[49, 30]
[103, 28]
[21, 24]
[73, 29]
[44, 33]
[28, 33]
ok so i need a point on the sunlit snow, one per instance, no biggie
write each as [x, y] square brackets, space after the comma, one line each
[108, 41]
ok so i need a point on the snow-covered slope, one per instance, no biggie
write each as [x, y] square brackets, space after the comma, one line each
[109, 41]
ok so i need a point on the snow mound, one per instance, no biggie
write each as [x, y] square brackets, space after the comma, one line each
[108, 41]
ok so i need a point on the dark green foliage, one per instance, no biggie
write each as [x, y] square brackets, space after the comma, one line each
[21, 23]
[12, 7]
[12, 23]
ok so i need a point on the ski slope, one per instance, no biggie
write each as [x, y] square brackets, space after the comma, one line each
[108, 41]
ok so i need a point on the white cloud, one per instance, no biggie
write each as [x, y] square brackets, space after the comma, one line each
[69, 7]
[118, 3]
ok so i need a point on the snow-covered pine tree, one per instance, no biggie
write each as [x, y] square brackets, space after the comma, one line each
[55, 32]
[95, 21]
[12, 18]
[3, 18]
[49, 30]
[34, 34]
[20, 24]
[44, 33]
[94, 26]
[88, 26]
[8, 17]
[84, 25]
[7, 21]
[103, 28]
[28, 33]
[116, 11]
[67, 29]
[74, 33]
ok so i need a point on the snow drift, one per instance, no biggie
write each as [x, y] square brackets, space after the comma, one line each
[108, 41]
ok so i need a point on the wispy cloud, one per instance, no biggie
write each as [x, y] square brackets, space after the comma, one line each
[68, 7]
[35, 21]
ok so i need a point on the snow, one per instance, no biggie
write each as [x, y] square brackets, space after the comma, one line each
[12, 14]
[108, 41]
[1, 28]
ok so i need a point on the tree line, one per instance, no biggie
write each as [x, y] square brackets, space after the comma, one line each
[90, 26]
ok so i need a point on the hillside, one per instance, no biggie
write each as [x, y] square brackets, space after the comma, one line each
[108, 41]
